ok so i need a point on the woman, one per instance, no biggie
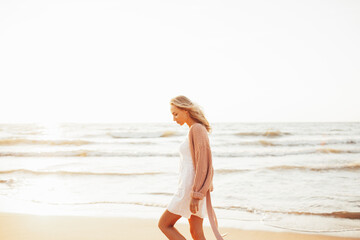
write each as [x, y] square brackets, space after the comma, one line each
[196, 174]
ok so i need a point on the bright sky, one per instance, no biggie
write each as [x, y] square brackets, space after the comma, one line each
[122, 61]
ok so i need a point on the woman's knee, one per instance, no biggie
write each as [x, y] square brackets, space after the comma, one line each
[160, 224]
[197, 234]
[163, 224]
[166, 221]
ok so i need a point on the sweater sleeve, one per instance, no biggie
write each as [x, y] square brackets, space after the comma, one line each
[202, 161]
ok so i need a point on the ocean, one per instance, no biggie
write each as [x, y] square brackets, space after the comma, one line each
[302, 177]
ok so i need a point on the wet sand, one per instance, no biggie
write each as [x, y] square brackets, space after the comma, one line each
[33, 227]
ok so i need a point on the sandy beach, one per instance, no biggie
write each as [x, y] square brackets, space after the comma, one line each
[33, 227]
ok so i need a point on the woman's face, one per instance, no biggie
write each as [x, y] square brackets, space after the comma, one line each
[179, 115]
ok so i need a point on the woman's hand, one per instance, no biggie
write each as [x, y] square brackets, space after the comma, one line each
[194, 205]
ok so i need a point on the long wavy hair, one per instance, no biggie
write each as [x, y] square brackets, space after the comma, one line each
[194, 110]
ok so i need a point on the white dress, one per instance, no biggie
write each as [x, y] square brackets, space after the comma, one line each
[180, 203]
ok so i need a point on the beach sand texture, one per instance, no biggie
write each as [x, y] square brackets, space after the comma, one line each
[33, 227]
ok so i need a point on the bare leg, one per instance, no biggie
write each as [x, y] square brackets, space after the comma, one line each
[166, 225]
[196, 228]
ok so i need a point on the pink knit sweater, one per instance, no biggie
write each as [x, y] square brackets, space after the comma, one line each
[201, 156]
[204, 172]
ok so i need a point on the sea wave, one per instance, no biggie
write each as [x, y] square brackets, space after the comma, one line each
[336, 214]
[33, 172]
[16, 141]
[159, 134]
[289, 143]
[331, 150]
[282, 153]
[160, 193]
[270, 134]
[262, 142]
[342, 214]
[104, 202]
[96, 153]
[347, 167]
[266, 143]
[87, 153]
[227, 171]
[7, 181]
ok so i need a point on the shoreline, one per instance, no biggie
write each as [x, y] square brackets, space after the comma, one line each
[15, 226]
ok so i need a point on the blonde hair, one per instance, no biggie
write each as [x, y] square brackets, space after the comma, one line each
[194, 110]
